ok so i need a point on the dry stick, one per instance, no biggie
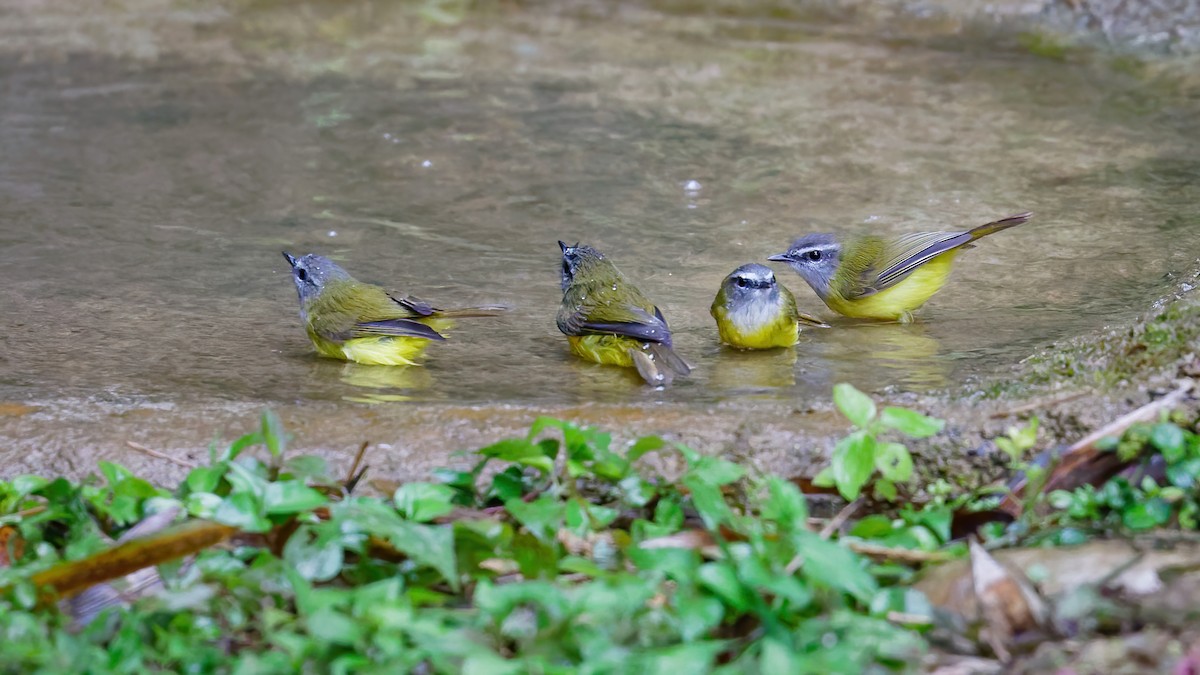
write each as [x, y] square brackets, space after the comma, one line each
[842, 516]
[1084, 450]
[904, 555]
[1037, 405]
[1142, 414]
[362, 450]
[159, 455]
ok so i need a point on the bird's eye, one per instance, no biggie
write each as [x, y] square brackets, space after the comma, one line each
[302, 274]
[741, 282]
[813, 255]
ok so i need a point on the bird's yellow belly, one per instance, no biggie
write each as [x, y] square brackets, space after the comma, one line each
[611, 350]
[374, 351]
[765, 336]
[898, 301]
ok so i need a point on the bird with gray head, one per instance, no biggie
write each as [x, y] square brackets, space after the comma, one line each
[608, 320]
[355, 321]
[874, 277]
[754, 311]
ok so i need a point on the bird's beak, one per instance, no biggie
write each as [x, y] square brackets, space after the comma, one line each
[563, 245]
[290, 258]
[780, 257]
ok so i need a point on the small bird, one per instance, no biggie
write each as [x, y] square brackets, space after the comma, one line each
[870, 277]
[753, 311]
[353, 321]
[607, 319]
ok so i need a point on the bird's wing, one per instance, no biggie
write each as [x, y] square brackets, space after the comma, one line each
[626, 321]
[901, 256]
[597, 309]
[395, 328]
[415, 305]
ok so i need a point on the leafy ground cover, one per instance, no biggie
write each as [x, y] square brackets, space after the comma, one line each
[553, 553]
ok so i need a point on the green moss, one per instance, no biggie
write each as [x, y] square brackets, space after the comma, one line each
[1045, 45]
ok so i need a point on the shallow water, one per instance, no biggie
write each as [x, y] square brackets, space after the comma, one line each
[145, 199]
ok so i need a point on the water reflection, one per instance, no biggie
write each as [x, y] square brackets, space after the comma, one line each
[867, 353]
[737, 370]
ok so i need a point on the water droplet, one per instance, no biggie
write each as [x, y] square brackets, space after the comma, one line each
[332, 233]
[614, 287]
[692, 186]
[427, 164]
[387, 136]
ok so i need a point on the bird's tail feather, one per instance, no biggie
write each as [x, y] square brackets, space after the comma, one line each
[658, 364]
[1003, 224]
[472, 312]
[810, 320]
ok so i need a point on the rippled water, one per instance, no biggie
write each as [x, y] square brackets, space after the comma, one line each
[144, 201]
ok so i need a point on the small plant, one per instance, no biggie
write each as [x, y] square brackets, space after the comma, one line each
[862, 454]
[563, 556]
[1148, 502]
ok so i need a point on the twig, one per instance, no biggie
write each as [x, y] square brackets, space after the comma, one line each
[908, 619]
[352, 476]
[904, 555]
[1082, 462]
[159, 455]
[842, 516]
[1142, 414]
[1038, 405]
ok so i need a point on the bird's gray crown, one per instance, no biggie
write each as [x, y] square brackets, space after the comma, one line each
[752, 275]
[311, 272]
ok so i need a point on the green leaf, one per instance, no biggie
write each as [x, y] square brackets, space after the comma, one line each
[853, 463]
[27, 484]
[694, 657]
[205, 478]
[779, 657]
[329, 625]
[714, 470]
[855, 405]
[698, 614]
[520, 451]
[679, 564]
[424, 501]
[543, 517]
[644, 445]
[1184, 474]
[708, 501]
[830, 564]
[242, 510]
[272, 433]
[242, 478]
[237, 447]
[291, 496]
[668, 513]
[636, 490]
[315, 558]
[535, 559]
[1147, 514]
[893, 461]
[824, 478]
[910, 423]
[1170, 441]
[785, 504]
[886, 490]
[431, 545]
[721, 579]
